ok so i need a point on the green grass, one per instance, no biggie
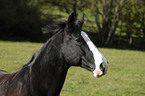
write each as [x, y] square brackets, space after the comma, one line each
[15, 54]
[125, 77]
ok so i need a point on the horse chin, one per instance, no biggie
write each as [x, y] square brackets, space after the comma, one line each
[98, 73]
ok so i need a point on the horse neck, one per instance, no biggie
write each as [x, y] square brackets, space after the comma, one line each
[49, 70]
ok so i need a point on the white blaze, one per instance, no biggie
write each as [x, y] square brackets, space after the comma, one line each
[98, 56]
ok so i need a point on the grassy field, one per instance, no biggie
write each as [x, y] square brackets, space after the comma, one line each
[125, 77]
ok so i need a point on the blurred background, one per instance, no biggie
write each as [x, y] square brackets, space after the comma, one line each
[111, 23]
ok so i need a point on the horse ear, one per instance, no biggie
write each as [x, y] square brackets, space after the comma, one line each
[81, 21]
[71, 20]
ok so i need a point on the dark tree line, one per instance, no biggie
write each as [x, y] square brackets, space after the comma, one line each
[18, 20]
[116, 21]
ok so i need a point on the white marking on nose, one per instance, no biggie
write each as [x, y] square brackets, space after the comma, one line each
[98, 56]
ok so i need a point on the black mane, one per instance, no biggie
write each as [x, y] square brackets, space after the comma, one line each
[53, 28]
[46, 30]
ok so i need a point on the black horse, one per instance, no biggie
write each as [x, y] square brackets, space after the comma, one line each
[45, 73]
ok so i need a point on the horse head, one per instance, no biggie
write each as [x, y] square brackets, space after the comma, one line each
[79, 50]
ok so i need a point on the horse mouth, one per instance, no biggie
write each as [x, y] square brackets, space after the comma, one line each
[100, 72]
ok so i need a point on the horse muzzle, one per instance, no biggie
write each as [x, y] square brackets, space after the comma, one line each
[98, 72]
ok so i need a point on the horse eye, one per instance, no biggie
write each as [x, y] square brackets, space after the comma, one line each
[78, 41]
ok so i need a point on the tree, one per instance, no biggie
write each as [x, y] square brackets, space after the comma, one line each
[133, 15]
[70, 5]
[107, 16]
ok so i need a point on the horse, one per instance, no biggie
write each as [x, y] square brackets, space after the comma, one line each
[45, 73]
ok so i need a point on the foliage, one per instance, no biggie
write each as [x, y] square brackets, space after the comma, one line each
[72, 5]
[107, 16]
[133, 18]
[108, 19]
[125, 75]
[119, 16]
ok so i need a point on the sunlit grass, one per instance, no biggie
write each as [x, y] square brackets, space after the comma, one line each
[15, 54]
[125, 77]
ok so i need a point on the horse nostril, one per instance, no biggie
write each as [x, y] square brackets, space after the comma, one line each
[102, 67]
